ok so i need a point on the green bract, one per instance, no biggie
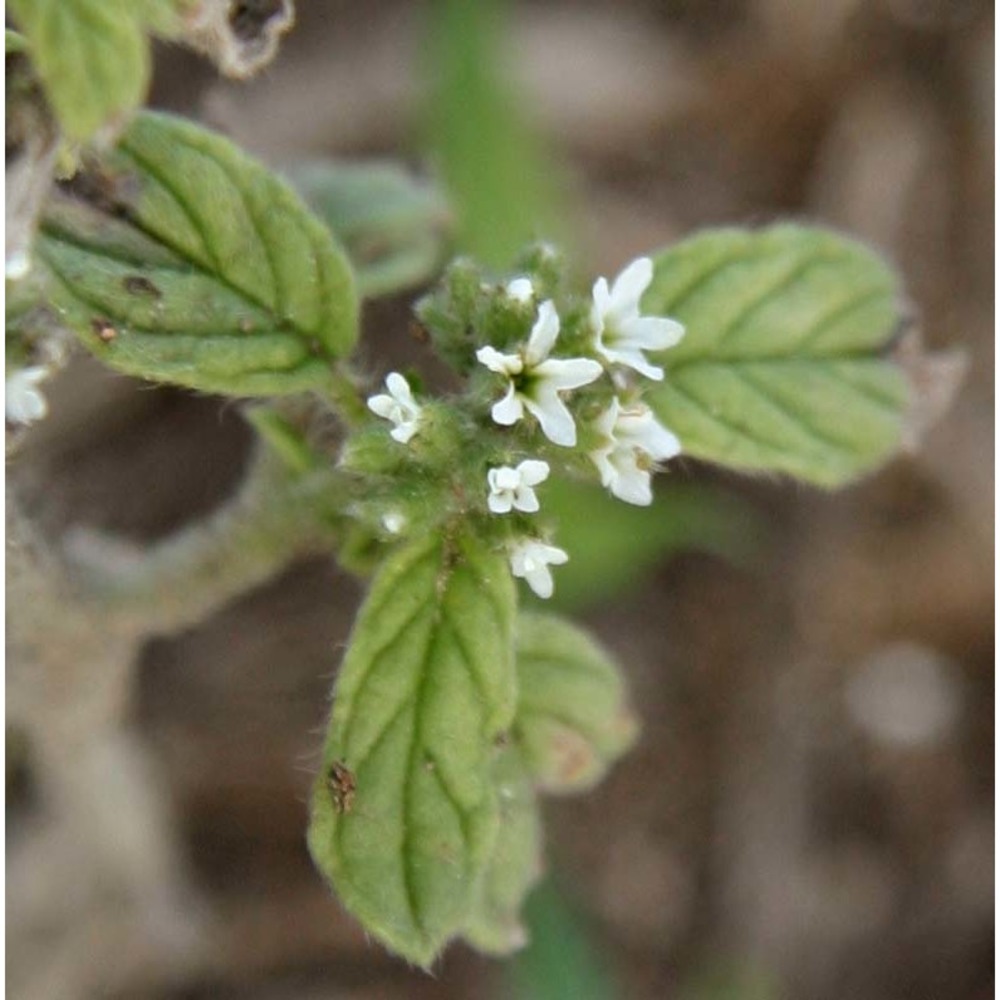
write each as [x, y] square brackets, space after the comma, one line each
[180, 259]
[783, 363]
[426, 688]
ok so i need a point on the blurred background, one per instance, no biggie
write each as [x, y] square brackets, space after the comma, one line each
[808, 814]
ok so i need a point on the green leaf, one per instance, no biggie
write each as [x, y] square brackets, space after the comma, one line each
[495, 926]
[91, 55]
[427, 686]
[783, 366]
[180, 259]
[573, 717]
[393, 226]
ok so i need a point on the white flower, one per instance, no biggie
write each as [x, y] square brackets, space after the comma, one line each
[511, 489]
[520, 290]
[23, 402]
[535, 380]
[530, 560]
[398, 406]
[622, 334]
[634, 441]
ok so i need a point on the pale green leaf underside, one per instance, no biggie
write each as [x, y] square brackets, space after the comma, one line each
[209, 269]
[91, 55]
[573, 716]
[427, 685]
[782, 367]
[392, 225]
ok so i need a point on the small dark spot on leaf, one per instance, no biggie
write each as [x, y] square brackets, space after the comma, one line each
[136, 284]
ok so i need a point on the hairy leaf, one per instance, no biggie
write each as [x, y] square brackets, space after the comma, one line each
[495, 926]
[91, 55]
[180, 259]
[573, 717]
[426, 687]
[784, 363]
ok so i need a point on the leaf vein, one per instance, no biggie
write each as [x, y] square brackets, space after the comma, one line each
[795, 417]
[468, 662]
[762, 300]
[375, 658]
[702, 279]
[740, 430]
[821, 326]
[279, 291]
[158, 177]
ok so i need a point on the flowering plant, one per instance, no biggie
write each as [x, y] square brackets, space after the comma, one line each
[173, 256]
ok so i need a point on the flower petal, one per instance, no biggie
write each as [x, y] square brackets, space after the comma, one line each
[634, 359]
[383, 406]
[508, 410]
[399, 388]
[530, 560]
[553, 555]
[552, 415]
[526, 499]
[632, 484]
[533, 471]
[540, 580]
[499, 503]
[629, 286]
[403, 432]
[601, 305]
[644, 431]
[543, 334]
[568, 373]
[601, 458]
[504, 364]
[651, 333]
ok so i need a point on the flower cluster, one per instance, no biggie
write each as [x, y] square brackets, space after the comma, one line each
[625, 440]
[534, 380]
